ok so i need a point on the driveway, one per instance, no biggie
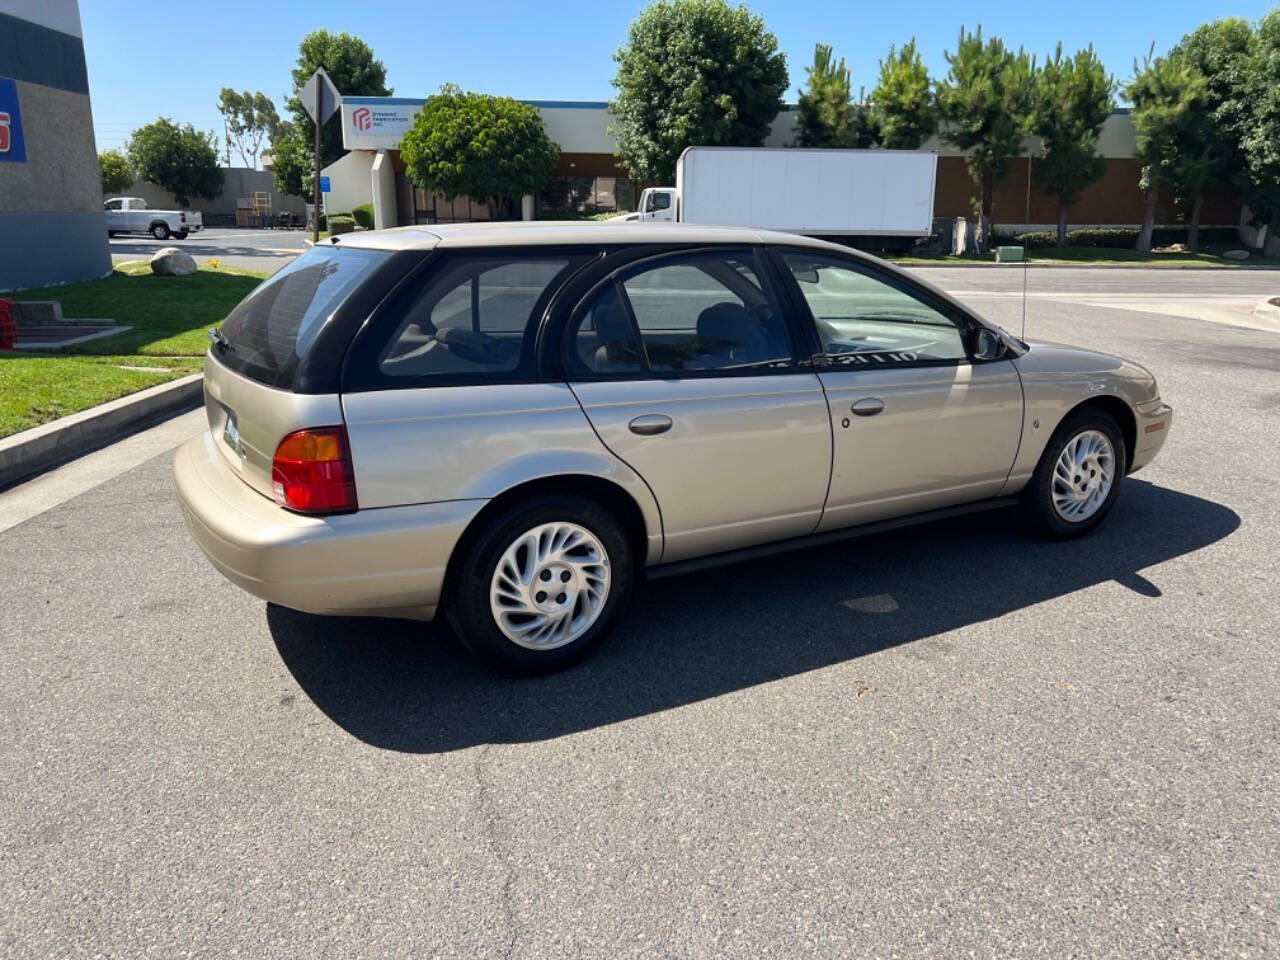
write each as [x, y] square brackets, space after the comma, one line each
[951, 740]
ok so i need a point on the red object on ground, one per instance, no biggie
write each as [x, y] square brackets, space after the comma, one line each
[8, 326]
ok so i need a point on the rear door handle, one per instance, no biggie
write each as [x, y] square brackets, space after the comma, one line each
[867, 407]
[650, 424]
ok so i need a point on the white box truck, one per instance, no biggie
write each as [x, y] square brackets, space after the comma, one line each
[828, 193]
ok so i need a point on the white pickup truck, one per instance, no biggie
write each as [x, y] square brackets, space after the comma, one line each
[130, 215]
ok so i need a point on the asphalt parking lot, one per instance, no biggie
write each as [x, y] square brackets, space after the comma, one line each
[953, 740]
[267, 250]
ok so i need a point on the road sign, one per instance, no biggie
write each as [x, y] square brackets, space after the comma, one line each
[324, 185]
[319, 95]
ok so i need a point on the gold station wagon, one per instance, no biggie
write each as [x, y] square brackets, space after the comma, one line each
[509, 423]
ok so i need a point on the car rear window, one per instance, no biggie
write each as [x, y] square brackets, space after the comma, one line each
[270, 331]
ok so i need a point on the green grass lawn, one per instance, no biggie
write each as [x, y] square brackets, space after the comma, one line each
[169, 317]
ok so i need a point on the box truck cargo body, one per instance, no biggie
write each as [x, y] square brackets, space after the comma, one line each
[853, 193]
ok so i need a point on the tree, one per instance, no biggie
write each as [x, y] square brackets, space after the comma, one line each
[986, 101]
[1261, 139]
[250, 119]
[1170, 99]
[903, 102]
[351, 66]
[1073, 98]
[826, 111]
[117, 174]
[1219, 51]
[693, 72]
[292, 166]
[180, 159]
[491, 149]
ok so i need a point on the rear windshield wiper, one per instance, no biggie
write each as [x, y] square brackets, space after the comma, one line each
[219, 339]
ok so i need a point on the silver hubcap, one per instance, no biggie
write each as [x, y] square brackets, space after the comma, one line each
[1083, 475]
[550, 586]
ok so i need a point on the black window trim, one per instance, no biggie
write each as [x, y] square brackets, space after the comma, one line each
[361, 372]
[968, 323]
[615, 273]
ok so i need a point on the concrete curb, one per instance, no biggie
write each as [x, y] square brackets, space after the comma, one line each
[33, 451]
[1268, 310]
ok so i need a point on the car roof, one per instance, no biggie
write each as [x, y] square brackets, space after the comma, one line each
[551, 232]
[558, 232]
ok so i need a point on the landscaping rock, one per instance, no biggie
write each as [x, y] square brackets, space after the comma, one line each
[172, 262]
[1236, 255]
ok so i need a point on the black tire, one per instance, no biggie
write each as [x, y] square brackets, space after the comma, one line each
[182, 234]
[160, 231]
[1037, 499]
[466, 601]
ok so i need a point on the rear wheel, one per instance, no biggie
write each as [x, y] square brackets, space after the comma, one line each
[182, 234]
[541, 585]
[1079, 475]
[160, 231]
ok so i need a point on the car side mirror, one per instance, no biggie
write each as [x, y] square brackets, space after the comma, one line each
[988, 345]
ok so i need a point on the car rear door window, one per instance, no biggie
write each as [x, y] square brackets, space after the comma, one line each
[695, 312]
[474, 317]
[272, 328]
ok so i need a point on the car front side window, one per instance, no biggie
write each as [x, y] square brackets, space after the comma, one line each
[865, 319]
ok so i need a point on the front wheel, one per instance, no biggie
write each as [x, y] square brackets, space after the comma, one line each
[160, 231]
[541, 585]
[1079, 475]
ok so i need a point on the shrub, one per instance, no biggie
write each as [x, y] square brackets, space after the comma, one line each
[341, 223]
[363, 215]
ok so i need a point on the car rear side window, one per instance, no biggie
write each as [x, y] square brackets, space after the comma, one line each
[474, 318]
[693, 313]
[272, 328]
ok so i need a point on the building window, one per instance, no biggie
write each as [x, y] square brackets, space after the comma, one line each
[588, 195]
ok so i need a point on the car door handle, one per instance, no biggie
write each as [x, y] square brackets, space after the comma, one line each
[650, 424]
[867, 407]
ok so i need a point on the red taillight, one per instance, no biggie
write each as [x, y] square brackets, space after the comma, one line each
[312, 471]
[183, 216]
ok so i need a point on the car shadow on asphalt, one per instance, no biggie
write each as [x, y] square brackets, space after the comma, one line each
[405, 686]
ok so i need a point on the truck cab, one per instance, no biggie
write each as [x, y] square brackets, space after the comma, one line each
[659, 203]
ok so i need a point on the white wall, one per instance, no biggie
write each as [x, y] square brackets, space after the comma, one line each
[350, 181]
[60, 15]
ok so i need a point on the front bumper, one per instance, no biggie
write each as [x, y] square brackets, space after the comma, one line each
[388, 561]
[1154, 421]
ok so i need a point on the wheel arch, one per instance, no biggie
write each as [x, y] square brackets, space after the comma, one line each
[610, 495]
[1119, 411]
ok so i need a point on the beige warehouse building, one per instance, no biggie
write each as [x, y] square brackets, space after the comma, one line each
[589, 177]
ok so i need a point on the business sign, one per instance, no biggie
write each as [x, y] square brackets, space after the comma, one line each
[13, 149]
[377, 123]
[324, 185]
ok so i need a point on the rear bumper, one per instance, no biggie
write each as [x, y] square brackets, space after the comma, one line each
[389, 561]
[1154, 421]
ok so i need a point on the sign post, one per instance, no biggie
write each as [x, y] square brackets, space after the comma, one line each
[320, 98]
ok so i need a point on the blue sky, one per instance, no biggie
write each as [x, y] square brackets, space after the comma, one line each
[548, 50]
